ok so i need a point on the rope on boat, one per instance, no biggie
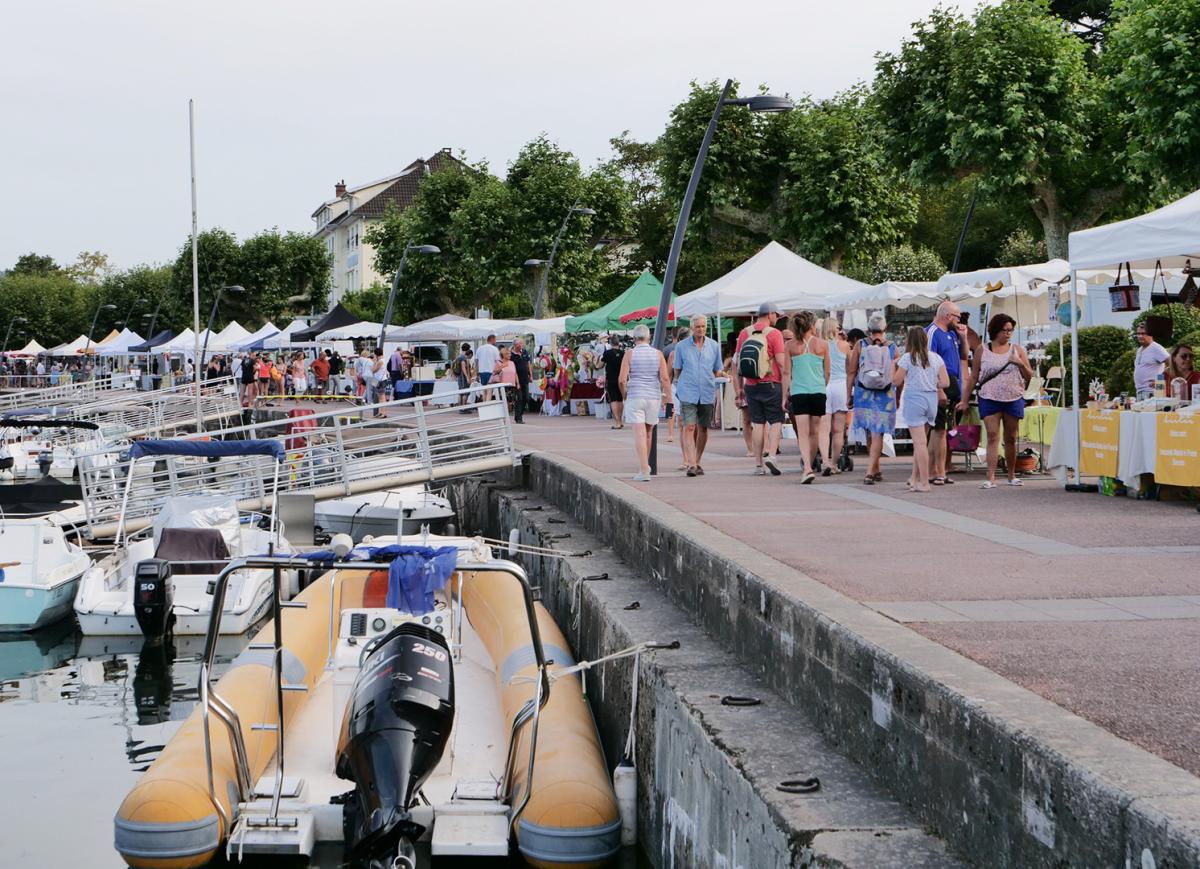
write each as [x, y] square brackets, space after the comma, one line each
[530, 549]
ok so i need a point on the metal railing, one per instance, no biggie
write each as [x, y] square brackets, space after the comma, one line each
[331, 454]
[212, 703]
[34, 391]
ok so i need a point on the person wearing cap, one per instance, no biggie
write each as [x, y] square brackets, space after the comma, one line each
[764, 397]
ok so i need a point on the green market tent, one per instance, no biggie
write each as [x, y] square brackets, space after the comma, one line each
[642, 293]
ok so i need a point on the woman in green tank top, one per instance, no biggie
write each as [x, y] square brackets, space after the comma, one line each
[810, 376]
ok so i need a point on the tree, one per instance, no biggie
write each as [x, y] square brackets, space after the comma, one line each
[899, 263]
[124, 288]
[1088, 18]
[1021, 248]
[56, 308]
[90, 267]
[1150, 59]
[651, 221]
[219, 260]
[34, 264]
[284, 272]
[840, 193]
[1010, 98]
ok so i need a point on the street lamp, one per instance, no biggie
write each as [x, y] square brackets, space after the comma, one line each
[96, 317]
[212, 315]
[430, 249]
[129, 313]
[539, 299]
[759, 103]
[8, 332]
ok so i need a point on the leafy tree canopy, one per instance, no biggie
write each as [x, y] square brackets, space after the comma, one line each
[34, 264]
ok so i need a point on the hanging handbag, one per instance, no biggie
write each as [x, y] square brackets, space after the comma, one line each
[1124, 297]
[1158, 327]
[1189, 291]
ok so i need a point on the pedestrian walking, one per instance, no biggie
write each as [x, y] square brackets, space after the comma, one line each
[645, 383]
[922, 377]
[695, 364]
[1002, 370]
[869, 375]
[947, 336]
[486, 359]
[833, 424]
[612, 357]
[809, 357]
[762, 377]
[668, 353]
[520, 361]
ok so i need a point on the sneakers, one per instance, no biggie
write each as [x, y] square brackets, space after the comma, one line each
[691, 472]
[760, 471]
[769, 461]
[641, 478]
[808, 478]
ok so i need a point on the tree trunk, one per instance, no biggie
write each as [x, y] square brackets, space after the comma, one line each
[1050, 213]
[835, 260]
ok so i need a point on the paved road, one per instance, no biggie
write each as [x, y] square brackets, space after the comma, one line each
[1092, 602]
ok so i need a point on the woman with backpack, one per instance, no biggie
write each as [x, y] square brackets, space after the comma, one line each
[810, 379]
[869, 375]
[922, 377]
[1001, 369]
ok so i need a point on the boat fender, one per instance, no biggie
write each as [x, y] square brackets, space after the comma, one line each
[341, 544]
[514, 540]
[625, 787]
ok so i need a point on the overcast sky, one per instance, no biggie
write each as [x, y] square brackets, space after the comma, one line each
[291, 96]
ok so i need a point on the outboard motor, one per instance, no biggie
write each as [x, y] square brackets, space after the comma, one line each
[152, 682]
[45, 462]
[154, 598]
[394, 731]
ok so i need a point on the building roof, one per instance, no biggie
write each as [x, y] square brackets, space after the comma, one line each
[400, 192]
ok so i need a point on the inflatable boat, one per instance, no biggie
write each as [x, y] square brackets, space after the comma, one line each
[427, 716]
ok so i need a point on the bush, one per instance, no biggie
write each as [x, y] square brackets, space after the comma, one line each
[1021, 248]
[1120, 375]
[1099, 349]
[900, 263]
[1192, 339]
[1187, 320]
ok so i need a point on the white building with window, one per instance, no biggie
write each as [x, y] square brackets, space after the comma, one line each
[343, 221]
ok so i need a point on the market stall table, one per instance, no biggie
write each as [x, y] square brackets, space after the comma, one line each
[1164, 445]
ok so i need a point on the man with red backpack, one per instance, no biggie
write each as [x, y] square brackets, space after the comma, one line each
[762, 375]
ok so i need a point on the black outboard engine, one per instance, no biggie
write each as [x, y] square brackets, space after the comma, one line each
[154, 598]
[394, 731]
[152, 682]
[45, 462]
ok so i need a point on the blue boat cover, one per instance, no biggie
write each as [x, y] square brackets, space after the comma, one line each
[414, 574]
[207, 449]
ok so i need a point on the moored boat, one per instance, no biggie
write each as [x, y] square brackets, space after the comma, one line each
[405, 510]
[39, 573]
[456, 731]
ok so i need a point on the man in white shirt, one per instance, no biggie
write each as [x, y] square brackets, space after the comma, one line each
[486, 358]
[1150, 360]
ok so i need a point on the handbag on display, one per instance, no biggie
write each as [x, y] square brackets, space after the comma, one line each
[1124, 297]
[1189, 291]
[1158, 327]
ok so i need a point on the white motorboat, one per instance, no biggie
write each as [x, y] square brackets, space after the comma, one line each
[39, 572]
[169, 566]
[44, 446]
[376, 514]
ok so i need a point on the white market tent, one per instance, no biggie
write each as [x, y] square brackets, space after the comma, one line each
[33, 348]
[1022, 292]
[119, 346]
[774, 274]
[71, 348]
[184, 342]
[362, 329]
[466, 330]
[254, 337]
[1169, 235]
[897, 293]
[227, 339]
[284, 338]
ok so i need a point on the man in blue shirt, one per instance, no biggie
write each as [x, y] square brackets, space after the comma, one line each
[948, 339]
[695, 364]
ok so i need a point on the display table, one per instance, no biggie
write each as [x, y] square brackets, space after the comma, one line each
[444, 393]
[1126, 445]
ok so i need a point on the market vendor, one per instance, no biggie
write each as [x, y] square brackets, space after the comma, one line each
[1183, 365]
[1149, 361]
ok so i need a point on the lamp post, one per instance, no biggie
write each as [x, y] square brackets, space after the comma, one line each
[153, 318]
[760, 103]
[8, 332]
[540, 298]
[430, 249]
[129, 313]
[87, 346]
[212, 315]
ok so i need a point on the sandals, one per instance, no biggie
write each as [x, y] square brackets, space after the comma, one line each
[937, 481]
[1015, 481]
[987, 484]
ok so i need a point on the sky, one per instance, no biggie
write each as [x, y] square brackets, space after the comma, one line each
[292, 96]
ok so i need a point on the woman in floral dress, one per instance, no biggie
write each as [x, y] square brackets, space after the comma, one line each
[874, 409]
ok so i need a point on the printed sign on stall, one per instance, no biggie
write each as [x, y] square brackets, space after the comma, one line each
[1099, 442]
[1177, 451]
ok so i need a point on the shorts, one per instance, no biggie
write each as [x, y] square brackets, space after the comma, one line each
[807, 404]
[696, 414]
[612, 389]
[641, 411]
[835, 397]
[918, 408]
[947, 412]
[764, 400]
[484, 377]
[1014, 408]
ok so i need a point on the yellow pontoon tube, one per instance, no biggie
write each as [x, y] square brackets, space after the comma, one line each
[571, 818]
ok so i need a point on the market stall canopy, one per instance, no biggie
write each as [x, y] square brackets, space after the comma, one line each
[228, 338]
[1004, 281]
[150, 343]
[1170, 234]
[339, 316]
[645, 292]
[360, 329]
[33, 348]
[285, 336]
[439, 328]
[254, 339]
[71, 348]
[184, 342]
[107, 339]
[900, 294]
[774, 274]
[120, 346]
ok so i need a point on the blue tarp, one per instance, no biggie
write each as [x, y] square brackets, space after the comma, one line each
[415, 572]
[207, 449]
[146, 346]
